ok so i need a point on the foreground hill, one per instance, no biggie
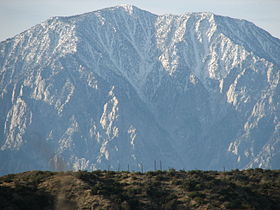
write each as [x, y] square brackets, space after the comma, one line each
[248, 189]
[124, 86]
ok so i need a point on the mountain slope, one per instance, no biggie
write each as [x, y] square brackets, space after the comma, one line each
[122, 86]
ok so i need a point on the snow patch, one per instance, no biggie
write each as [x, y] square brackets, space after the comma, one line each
[132, 135]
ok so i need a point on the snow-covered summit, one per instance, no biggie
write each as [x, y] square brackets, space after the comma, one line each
[129, 8]
[123, 86]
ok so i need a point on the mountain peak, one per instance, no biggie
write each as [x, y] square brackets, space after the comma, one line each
[122, 86]
[130, 9]
[127, 7]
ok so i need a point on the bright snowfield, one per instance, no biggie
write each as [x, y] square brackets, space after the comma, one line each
[123, 86]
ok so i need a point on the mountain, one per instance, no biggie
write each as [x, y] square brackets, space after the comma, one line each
[122, 87]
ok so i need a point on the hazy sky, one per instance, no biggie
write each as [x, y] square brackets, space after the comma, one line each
[19, 15]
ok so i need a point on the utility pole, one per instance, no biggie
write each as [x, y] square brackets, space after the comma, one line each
[160, 166]
[142, 168]
[128, 167]
[155, 165]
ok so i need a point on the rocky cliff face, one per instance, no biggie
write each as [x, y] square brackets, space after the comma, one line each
[123, 86]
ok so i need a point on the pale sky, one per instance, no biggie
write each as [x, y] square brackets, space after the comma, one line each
[19, 15]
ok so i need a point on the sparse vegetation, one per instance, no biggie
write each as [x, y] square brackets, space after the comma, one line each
[248, 189]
